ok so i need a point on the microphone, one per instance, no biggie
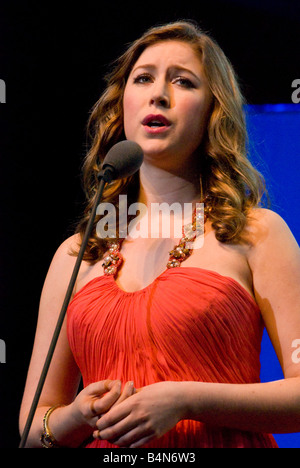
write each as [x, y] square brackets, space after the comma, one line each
[122, 160]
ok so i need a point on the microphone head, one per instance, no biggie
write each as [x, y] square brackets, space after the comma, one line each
[123, 159]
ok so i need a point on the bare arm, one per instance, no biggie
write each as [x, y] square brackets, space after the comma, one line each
[63, 376]
[73, 422]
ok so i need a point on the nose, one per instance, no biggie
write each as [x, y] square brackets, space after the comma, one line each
[160, 95]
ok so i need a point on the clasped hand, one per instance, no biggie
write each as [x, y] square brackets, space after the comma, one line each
[131, 417]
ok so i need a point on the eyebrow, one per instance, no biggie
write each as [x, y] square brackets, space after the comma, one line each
[174, 67]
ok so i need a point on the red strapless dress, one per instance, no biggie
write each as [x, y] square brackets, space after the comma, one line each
[190, 324]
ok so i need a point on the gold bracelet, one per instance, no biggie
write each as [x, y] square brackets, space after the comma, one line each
[47, 438]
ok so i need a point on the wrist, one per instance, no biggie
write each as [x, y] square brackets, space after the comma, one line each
[63, 428]
[192, 399]
[47, 438]
[185, 398]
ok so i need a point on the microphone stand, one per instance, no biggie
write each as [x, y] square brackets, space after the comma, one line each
[104, 176]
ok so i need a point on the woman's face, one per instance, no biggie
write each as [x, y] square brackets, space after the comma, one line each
[167, 102]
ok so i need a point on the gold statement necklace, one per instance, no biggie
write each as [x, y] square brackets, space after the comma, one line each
[114, 259]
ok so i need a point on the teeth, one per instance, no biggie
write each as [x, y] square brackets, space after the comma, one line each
[155, 123]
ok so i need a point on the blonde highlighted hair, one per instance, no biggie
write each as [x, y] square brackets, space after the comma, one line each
[228, 179]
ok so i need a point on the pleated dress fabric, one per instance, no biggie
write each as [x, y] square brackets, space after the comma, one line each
[190, 324]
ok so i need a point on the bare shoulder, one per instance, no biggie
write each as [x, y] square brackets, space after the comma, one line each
[68, 246]
[265, 225]
[62, 266]
[63, 262]
[266, 218]
[270, 238]
[65, 255]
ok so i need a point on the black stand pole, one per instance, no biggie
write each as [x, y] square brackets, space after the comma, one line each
[104, 177]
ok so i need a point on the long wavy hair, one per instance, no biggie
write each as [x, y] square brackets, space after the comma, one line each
[228, 179]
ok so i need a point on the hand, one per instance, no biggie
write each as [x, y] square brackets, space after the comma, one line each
[97, 398]
[94, 400]
[143, 416]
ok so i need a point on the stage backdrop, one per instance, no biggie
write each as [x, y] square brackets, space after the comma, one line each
[275, 150]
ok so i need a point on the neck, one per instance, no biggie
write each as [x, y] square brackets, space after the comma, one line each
[158, 185]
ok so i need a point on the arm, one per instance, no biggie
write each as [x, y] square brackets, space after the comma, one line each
[74, 422]
[63, 376]
[274, 260]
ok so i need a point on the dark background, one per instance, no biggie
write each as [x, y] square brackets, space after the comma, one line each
[52, 59]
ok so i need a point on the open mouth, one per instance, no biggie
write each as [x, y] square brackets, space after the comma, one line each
[155, 124]
[155, 121]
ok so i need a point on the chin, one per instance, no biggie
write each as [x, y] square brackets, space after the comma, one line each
[156, 149]
[158, 155]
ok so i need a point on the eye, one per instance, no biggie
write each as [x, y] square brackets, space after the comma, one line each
[183, 82]
[143, 78]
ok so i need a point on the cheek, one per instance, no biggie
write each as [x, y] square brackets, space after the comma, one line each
[195, 123]
[129, 111]
[197, 114]
[193, 116]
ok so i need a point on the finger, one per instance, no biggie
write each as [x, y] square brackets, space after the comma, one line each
[137, 436]
[116, 431]
[101, 387]
[114, 416]
[93, 409]
[142, 442]
[104, 403]
[96, 434]
[119, 409]
[128, 390]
